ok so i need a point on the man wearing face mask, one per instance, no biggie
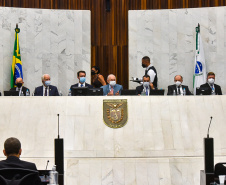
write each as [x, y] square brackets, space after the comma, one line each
[46, 89]
[81, 75]
[19, 87]
[146, 87]
[211, 86]
[178, 88]
[111, 88]
[150, 70]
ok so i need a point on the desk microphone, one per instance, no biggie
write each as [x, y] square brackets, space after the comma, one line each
[47, 164]
[209, 126]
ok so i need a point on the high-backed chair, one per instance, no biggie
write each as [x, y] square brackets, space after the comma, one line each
[19, 176]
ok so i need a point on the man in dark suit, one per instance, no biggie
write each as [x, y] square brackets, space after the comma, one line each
[81, 75]
[23, 91]
[146, 87]
[210, 86]
[12, 150]
[46, 89]
[177, 88]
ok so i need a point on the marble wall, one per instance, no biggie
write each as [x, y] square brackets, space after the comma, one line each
[162, 142]
[168, 38]
[57, 42]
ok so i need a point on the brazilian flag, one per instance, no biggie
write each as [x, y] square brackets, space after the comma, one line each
[16, 70]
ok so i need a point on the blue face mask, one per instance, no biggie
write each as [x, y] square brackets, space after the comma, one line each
[47, 83]
[82, 79]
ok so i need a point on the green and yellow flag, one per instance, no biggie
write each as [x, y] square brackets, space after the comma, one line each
[16, 70]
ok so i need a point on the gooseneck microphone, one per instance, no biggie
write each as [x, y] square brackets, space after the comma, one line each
[209, 126]
[47, 164]
[58, 127]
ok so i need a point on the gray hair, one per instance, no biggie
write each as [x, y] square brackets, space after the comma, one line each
[44, 76]
[110, 75]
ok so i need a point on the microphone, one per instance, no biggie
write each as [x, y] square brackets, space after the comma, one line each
[209, 126]
[58, 127]
[47, 164]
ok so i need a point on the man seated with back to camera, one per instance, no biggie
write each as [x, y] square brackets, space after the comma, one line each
[178, 88]
[81, 75]
[146, 87]
[213, 88]
[23, 91]
[111, 88]
[12, 151]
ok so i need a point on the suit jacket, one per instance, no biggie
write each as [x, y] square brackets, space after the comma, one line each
[140, 88]
[171, 88]
[15, 162]
[24, 89]
[217, 88]
[86, 85]
[52, 91]
[116, 88]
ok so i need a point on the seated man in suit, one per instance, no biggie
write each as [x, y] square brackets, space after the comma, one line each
[12, 151]
[178, 88]
[146, 87]
[210, 85]
[111, 88]
[19, 87]
[81, 75]
[46, 89]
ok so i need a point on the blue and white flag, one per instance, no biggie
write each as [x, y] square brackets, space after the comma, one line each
[199, 76]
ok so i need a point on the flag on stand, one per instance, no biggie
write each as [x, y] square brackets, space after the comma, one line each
[199, 76]
[16, 70]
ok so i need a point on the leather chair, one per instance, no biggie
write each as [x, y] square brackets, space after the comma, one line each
[19, 176]
[219, 169]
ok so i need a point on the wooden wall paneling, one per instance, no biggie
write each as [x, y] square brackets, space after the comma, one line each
[109, 30]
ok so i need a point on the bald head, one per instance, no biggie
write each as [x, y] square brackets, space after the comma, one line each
[178, 78]
[19, 80]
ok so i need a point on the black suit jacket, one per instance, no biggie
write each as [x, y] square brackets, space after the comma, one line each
[86, 85]
[15, 162]
[171, 88]
[140, 88]
[24, 89]
[217, 88]
[52, 91]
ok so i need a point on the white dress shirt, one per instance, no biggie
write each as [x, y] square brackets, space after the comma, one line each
[83, 85]
[44, 90]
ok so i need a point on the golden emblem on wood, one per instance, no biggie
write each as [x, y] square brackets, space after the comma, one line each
[115, 113]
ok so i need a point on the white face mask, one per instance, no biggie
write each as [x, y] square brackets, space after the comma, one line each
[145, 84]
[211, 81]
[112, 83]
[178, 83]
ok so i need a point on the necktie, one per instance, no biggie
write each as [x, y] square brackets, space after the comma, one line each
[81, 85]
[112, 90]
[147, 91]
[179, 90]
[45, 91]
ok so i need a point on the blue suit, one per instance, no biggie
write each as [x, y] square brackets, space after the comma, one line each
[52, 91]
[116, 88]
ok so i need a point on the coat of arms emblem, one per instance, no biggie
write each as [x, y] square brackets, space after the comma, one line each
[115, 113]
